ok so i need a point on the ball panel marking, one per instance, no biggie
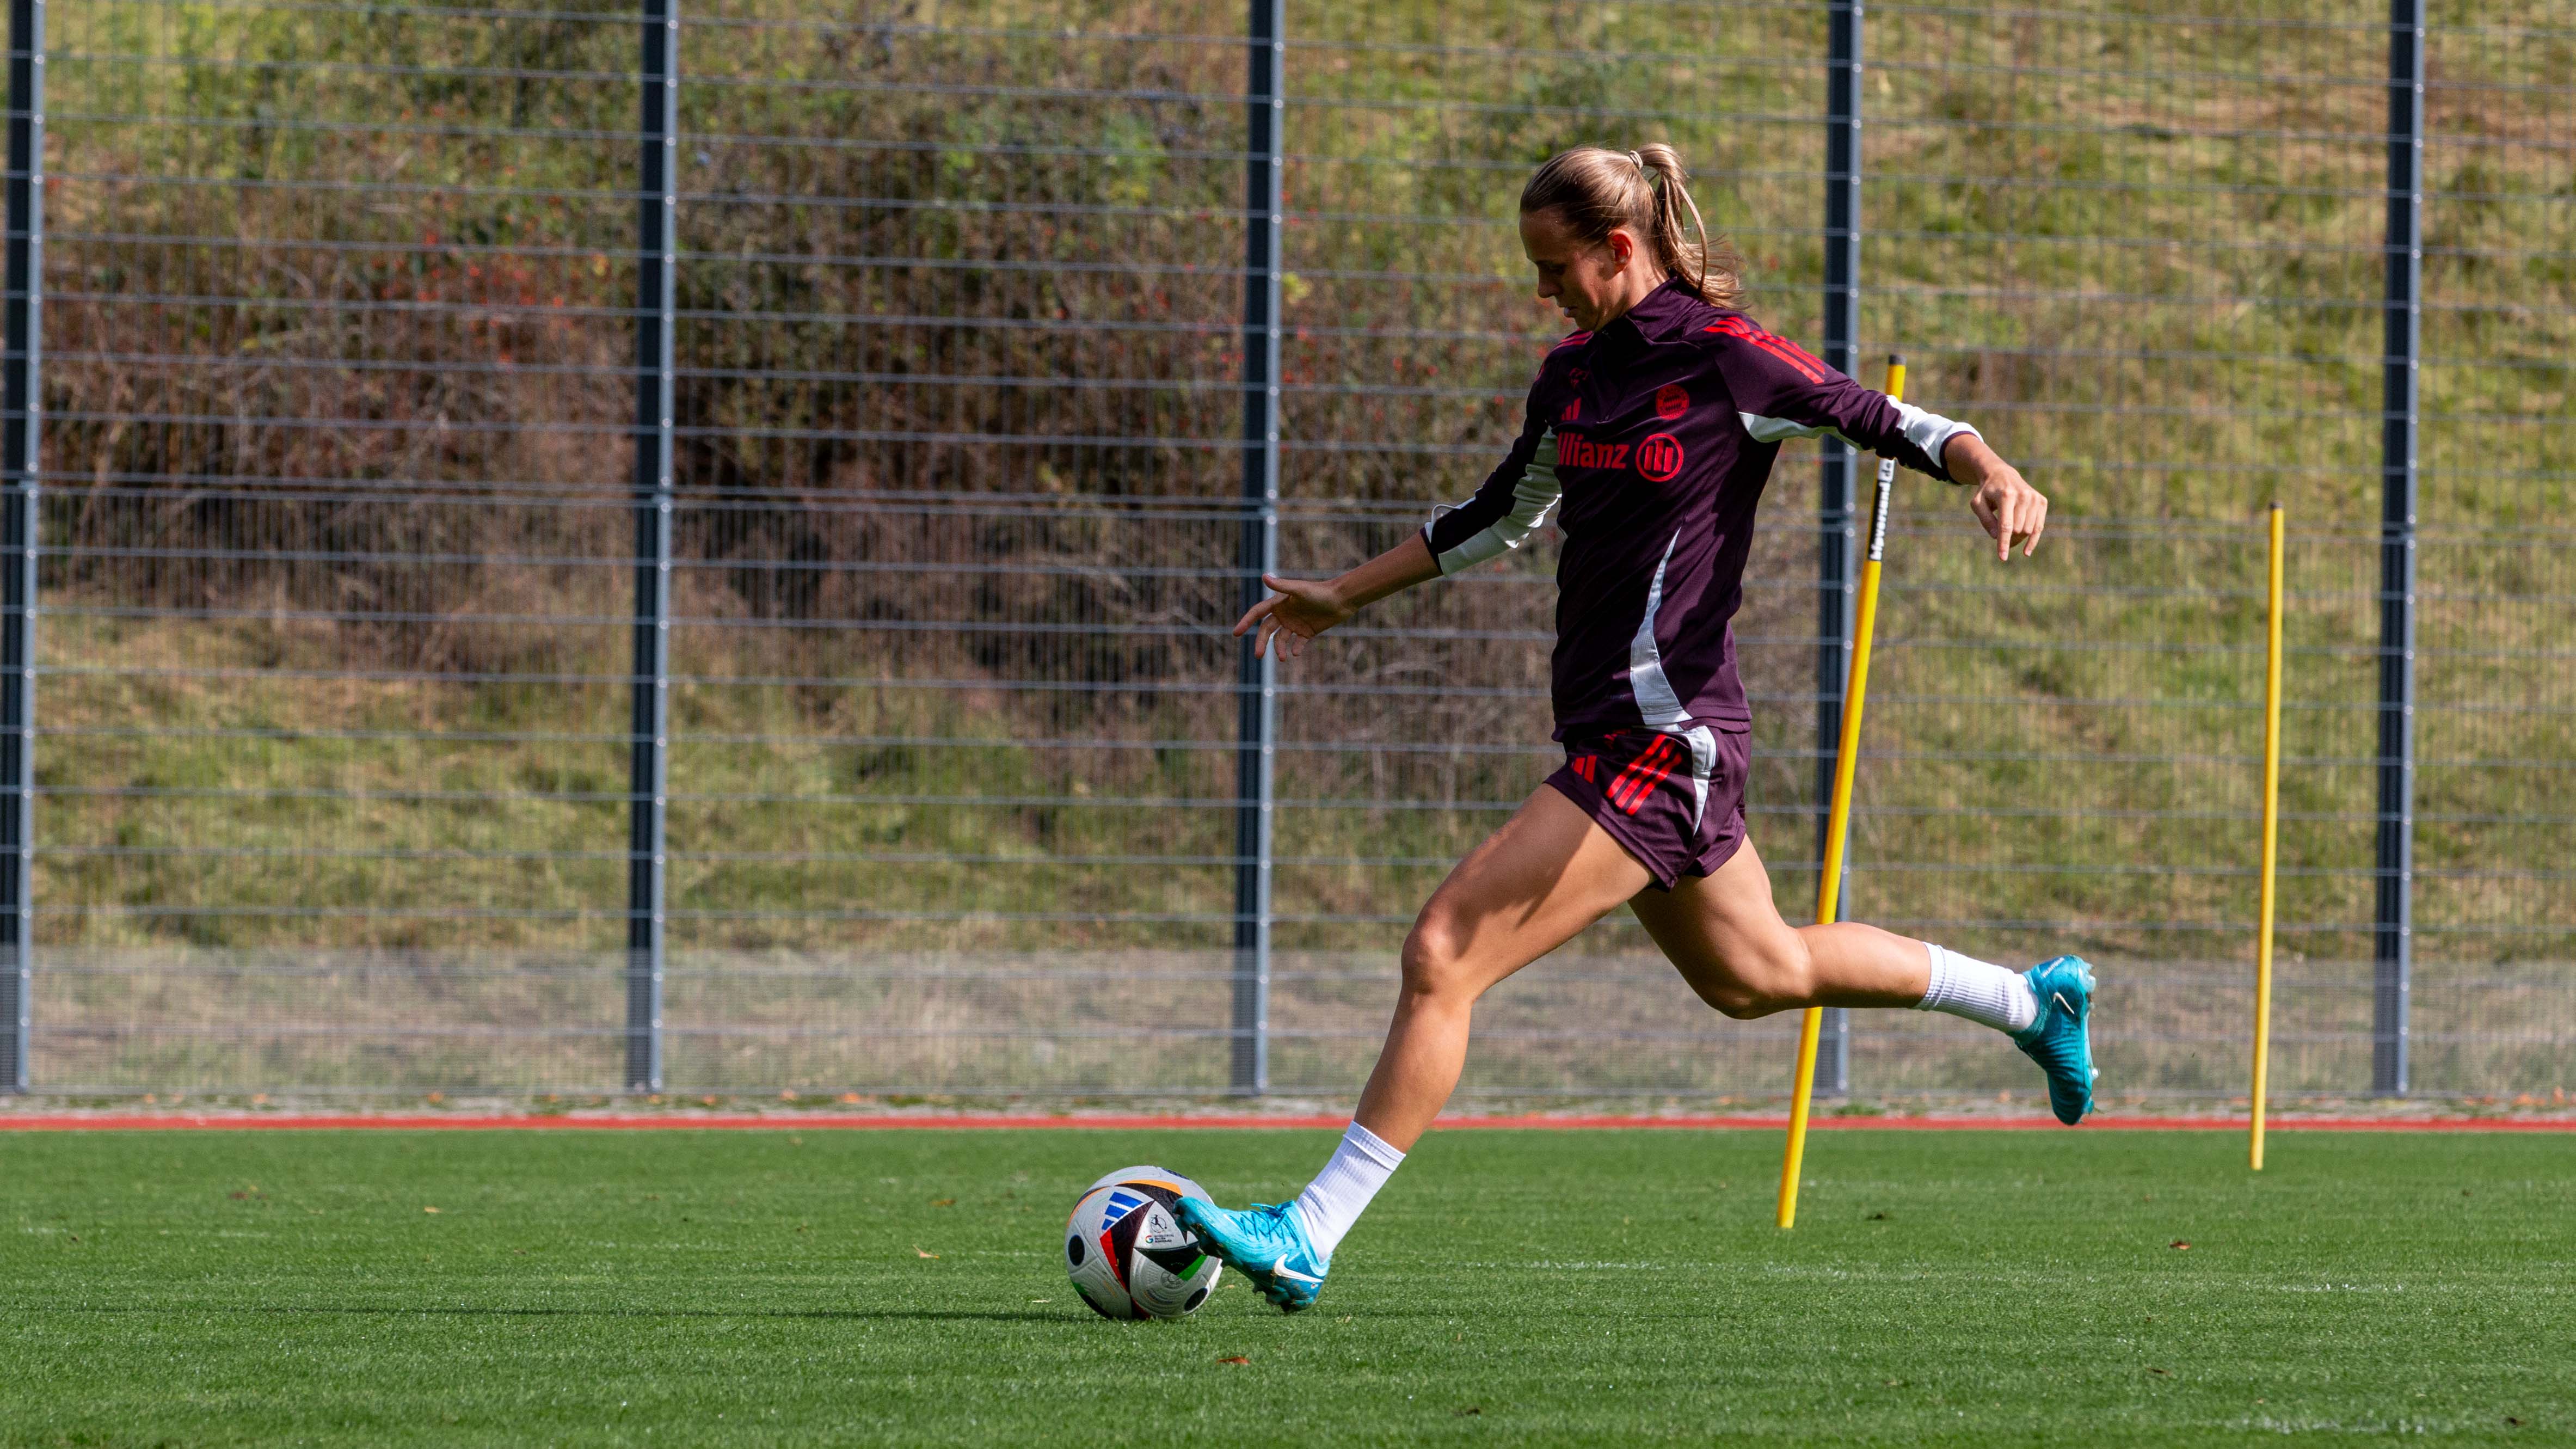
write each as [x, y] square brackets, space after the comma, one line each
[1147, 1265]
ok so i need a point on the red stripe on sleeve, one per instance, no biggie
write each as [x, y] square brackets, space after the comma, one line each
[1780, 347]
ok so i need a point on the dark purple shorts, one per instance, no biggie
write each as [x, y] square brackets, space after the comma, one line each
[1676, 801]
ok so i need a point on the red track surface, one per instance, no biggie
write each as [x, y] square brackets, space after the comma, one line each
[820, 1122]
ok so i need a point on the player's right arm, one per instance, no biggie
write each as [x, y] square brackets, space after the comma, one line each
[1513, 502]
[1300, 609]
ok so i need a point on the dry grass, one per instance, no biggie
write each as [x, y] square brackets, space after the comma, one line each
[308, 717]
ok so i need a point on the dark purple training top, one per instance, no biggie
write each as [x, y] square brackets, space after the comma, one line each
[1656, 435]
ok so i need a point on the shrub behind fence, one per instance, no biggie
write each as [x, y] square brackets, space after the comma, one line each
[346, 308]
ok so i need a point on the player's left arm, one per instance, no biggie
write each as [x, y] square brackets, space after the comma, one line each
[2012, 511]
[1782, 391]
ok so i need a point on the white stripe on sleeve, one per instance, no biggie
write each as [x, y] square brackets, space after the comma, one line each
[1532, 498]
[1774, 430]
[1930, 431]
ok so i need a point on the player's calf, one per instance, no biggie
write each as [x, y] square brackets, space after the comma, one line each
[1749, 989]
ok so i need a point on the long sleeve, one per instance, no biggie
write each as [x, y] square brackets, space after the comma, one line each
[1781, 392]
[1511, 505]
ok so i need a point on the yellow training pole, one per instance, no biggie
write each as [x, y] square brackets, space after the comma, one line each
[2271, 849]
[1829, 877]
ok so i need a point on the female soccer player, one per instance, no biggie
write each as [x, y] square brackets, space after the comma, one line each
[1653, 428]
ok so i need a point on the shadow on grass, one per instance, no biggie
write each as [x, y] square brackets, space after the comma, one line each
[930, 1315]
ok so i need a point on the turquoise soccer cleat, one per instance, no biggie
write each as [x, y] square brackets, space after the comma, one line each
[2061, 1041]
[1265, 1244]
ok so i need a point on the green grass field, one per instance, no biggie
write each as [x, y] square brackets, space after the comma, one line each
[1610, 1287]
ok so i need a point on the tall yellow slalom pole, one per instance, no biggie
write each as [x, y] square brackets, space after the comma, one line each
[1829, 875]
[2271, 850]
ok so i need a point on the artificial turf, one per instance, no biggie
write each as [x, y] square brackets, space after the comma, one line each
[814, 1286]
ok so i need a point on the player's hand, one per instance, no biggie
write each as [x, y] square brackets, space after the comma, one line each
[2012, 511]
[1299, 609]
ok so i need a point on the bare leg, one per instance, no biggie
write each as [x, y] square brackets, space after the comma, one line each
[1725, 935]
[1535, 883]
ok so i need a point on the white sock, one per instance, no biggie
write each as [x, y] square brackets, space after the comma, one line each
[1341, 1192]
[1965, 986]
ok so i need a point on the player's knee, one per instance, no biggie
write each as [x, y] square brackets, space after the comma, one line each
[1761, 984]
[1735, 1001]
[1434, 956]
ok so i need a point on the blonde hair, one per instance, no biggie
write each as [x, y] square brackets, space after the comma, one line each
[1594, 189]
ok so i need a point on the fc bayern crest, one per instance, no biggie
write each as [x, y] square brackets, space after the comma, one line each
[1671, 401]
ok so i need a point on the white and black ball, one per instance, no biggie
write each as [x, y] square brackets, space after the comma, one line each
[1127, 1253]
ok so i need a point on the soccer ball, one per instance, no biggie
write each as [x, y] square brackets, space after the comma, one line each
[1128, 1256]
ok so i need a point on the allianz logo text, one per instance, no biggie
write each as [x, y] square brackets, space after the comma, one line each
[1658, 458]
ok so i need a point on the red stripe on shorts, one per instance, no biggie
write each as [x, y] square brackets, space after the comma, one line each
[1643, 774]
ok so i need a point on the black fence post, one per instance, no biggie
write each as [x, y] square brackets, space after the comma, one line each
[21, 404]
[2394, 937]
[656, 242]
[1839, 525]
[1258, 550]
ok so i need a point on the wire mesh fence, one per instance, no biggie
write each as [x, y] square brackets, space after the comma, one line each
[342, 750]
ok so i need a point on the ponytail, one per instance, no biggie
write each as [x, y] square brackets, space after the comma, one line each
[1646, 190]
